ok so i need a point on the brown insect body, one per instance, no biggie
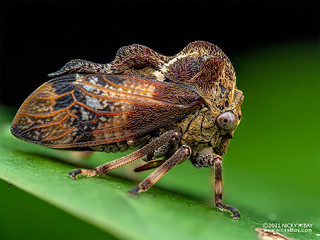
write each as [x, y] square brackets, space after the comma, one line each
[174, 107]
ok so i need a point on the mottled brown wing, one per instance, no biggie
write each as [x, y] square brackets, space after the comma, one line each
[75, 111]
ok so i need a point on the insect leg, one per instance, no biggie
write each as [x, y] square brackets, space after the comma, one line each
[161, 151]
[170, 136]
[79, 65]
[183, 152]
[218, 188]
[149, 165]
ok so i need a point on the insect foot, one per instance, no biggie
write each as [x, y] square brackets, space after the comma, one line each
[234, 211]
[134, 191]
[73, 174]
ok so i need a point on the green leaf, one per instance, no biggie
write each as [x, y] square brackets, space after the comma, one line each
[271, 170]
[104, 201]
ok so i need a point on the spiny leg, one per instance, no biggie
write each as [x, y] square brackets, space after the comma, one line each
[170, 136]
[218, 189]
[183, 152]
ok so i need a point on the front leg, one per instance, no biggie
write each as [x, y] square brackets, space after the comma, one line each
[213, 160]
[218, 188]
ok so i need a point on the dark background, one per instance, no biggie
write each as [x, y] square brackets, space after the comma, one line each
[40, 37]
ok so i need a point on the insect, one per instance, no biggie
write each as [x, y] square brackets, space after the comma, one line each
[171, 109]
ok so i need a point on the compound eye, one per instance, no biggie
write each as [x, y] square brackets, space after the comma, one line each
[226, 120]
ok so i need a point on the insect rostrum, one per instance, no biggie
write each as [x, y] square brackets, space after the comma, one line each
[172, 109]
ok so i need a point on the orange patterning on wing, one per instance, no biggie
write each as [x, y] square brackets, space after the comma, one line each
[75, 111]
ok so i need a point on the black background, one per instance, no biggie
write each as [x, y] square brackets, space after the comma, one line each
[40, 37]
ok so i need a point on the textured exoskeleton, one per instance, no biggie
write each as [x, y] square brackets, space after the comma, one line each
[171, 108]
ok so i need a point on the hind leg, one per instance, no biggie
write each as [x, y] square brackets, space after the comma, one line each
[172, 136]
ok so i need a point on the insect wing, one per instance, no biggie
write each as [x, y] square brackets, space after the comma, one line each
[75, 111]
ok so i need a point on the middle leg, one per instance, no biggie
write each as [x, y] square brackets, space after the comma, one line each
[182, 153]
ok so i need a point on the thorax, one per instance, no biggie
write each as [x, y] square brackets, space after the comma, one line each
[199, 130]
